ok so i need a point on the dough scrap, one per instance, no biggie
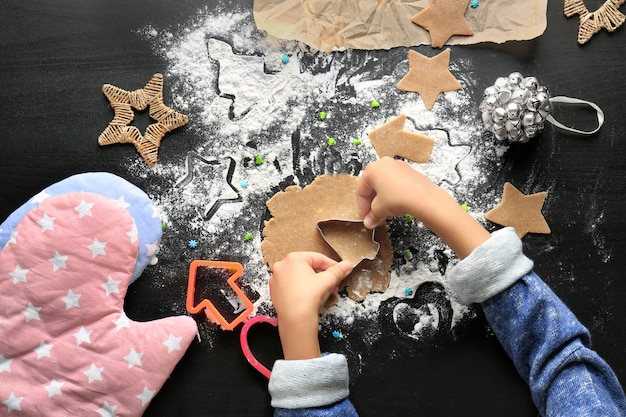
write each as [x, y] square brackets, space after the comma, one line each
[293, 227]
[392, 140]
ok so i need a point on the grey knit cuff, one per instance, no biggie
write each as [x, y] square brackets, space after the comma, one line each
[489, 269]
[309, 383]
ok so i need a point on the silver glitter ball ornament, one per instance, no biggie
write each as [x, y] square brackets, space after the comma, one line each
[515, 108]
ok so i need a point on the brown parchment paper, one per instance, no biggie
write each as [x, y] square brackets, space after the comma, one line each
[329, 25]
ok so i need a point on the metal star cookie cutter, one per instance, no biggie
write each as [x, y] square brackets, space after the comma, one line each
[211, 311]
[350, 239]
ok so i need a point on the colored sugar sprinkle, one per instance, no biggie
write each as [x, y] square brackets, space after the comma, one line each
[258, 160]
[465, 207]
[356, 142]
[285, 59]
[407, 254]
[248, 237]
[408, 291]
[337, 334]
[323, 115]
[408, 219]
[331, 141]
[243, 184]
[375, 104]
[192, 244]
[474, 4]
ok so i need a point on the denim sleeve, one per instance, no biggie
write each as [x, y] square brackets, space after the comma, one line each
[343, 408]
[551, 351]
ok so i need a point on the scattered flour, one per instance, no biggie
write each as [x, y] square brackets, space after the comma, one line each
[244, 102]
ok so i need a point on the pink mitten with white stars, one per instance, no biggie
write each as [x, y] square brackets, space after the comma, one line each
[66, 346]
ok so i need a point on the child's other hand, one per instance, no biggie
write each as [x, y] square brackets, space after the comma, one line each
[388, 188]
[299, 286]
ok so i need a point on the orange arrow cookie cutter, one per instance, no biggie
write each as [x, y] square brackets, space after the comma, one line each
[212, 313]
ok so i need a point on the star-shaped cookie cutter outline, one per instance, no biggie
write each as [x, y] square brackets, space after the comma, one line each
[189, 176]
[211, 312]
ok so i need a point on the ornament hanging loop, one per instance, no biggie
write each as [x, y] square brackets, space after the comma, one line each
[576, 101]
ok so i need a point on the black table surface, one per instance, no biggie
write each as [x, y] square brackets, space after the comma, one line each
[54, 58]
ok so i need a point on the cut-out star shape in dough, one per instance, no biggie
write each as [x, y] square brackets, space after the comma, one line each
[123, 102]
[392, 140]
[444, 19]
[522, 212]
[429, 76]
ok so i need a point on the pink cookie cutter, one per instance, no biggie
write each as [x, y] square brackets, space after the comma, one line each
[243, 341]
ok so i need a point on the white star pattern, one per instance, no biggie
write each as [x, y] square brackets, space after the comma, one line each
[146, 395]
[13, 403]
[155, 212]
[84, 209]
[172, 343]
[94, 373]
[54, 388]
[133, 234]
[31, 312]
[5, 364]
[111, 286]
[122, 202]
[39, 198]
[43, 350]
[107, 410]
[82, 336]
[121, 322]
[133, 358]
[97, 248]
[71, 300]
[13, 238]
[46, 222]
[19, 274]
[59, 261]
[151, 248]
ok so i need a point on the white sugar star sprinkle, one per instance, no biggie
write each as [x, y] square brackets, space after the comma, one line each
[97, 248]
[71, 300]
[84, 209]
[146, 395]
[59, 261]
[94, 373]
[13, 403]
[111, 286]
[107, 410]
[172, 343]
[5, 364]
[54, 388]
[46, 222]
[31, 312]
[19, 274]
[43, 350]
[82, 336]
[133, 358]
[121, 322]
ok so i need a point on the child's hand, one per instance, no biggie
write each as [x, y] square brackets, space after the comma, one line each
[389, 187]
[299, 286]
